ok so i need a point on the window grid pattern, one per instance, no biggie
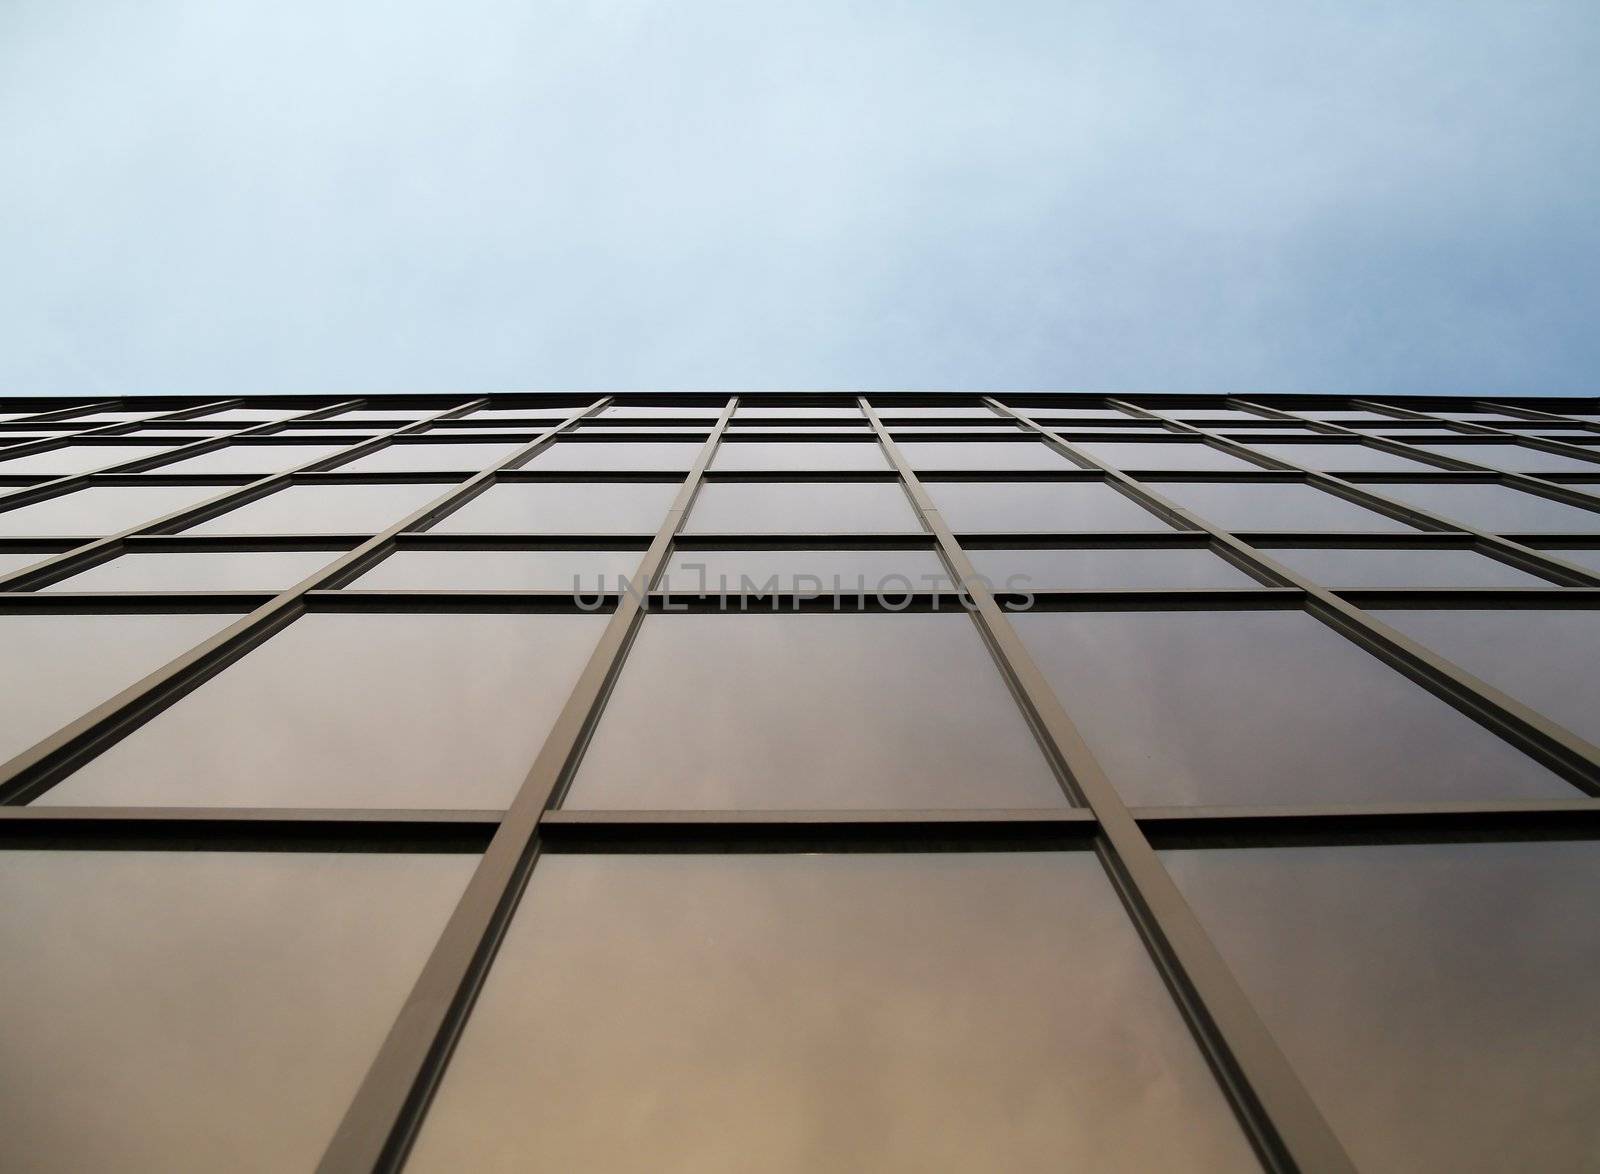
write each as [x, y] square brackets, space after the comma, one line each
[1270, 1099]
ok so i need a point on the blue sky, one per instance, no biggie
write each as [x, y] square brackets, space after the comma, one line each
[481, 195]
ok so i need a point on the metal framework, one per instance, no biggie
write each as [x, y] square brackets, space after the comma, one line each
[1285, 1126]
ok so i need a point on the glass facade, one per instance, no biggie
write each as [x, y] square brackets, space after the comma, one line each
[799, 782]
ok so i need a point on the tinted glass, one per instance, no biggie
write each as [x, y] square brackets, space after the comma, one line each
[340, 710]
[1262, 707]
[324, 509]
[1000, 506]
[1273, 506]
[791, 507]
[252, 415]
[202, 1011]
[580, 456]
[531, 413]
[1436, 999]
[252, 458]
[1549, 660]
[1583, 557]
[964, 412]
[102, 510]
[899, 1012]
[842, 412]
[200, 570]
[991, 454]
[11, 561]
[1372, 567]
[1086, 569]
[1517, 458]
[1206, 413]
[812, 711]
[401, 458]
[59, 667]
[1494, 507]
[389, 413]
[737, 457]
[839, 572]
[565, 507]
[502, 570]
[1352, 458]
[645, 413]
[80, 458]
[1156, 455]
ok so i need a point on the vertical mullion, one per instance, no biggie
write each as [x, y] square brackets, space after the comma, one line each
[1283, 1122]
[379, 1126]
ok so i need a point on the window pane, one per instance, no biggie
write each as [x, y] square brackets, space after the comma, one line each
[841, 412]
[1497, 508]
[1589, 557]
[565, 507]
[59, 667]
[810, 454]
[339, 710]
[627, 412]
[389, 413]
[173, 1011]
[1385, 567]
[892, 1012]
[252, 415]
[200, 570]
[101, 510]
[582, 456]
[1002, 506]
[502, 570]
[1285, 506]
[1344, 414]
[820, 710]
[1437, 999]
[797, 507]
[987, 454]
[1159, 455]
[324, 509]
[1262, 707]
[527, 413]
[1517, 458]
[252, 458]
[1045, 415]
[963, 412]
[1342, 458]
[423, 457]
[1206, 413]
[1090, 569]
[80, 458]
[892, 573]
[13, 561]
[1549, 660]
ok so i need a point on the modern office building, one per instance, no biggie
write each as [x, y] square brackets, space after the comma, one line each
[918, 782]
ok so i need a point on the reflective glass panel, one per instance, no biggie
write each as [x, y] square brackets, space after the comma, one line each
[1106, 568]
[200, 570]
[583, 456]
[389, 413]
[502, 570]
[252, 415]
[1589, 557]
[559, 413]
[964, 412]
[354, 710]
[892, 573]
[790, 507]
[1001, 506]
[1159, 455]
[1394, 567]
[630, 412]
[59, 667]
[1235, 505]
[1343, 458]
[812, 710]
[1496, 508]
[102, 509]
[1262, 707]
[732, 456]
[1549, 660]
[1207, 413]
[324, 509]
[1437, 999]
[894, 1012]
[565, 507]
[840, 411]
[403, 458]
[252, 458]
[202, 1011]
[80, 458]
[12, 561]
[986, 454]
[1517, 458]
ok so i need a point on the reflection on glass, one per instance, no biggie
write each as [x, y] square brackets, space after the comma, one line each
[59, 667]
[983, 454]
[1286, 506]
[80, 458]
[794, 507]
[1394, 567]
[355, 710]
[1517, 458]
[1001, 506]
[1437, 999]
[1584, 557]
[200, 570]
[13, 561]
[585, 571]
[1342, 458]
[420, 456]
[1497, 508]
[1106, 568]
[1262, 707]
[893, 1012]
[821, 710]
[252, 458]
[102, 509]
[565, 507]
[1180, 454]
[618, 456]
[324, 509]
[1549, 660]
[732, 456]
[841, 411]
[892, 573]
[202, 1011]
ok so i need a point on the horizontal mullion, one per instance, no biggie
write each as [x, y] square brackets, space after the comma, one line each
[1306, 825]
[227, 829]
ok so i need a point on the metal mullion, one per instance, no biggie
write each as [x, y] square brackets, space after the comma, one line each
[1572, 757]
[231, 829]
[1536, 416]
[1477, 428]
[1276, 1112]
[36, 769]
[381, 1122]
[1369, 823]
